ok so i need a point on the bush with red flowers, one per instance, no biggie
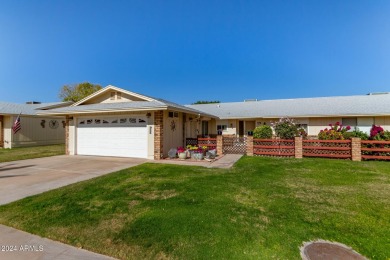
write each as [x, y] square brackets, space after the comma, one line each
[378, 133]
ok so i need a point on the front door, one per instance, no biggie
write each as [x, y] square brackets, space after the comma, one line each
[241, 128]
[205, 127]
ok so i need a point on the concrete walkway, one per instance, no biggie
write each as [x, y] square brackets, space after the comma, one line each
[31, 247]
[225, 162]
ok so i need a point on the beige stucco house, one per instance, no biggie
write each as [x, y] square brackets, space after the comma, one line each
[35, 130]
[314, 114]
[117, 122]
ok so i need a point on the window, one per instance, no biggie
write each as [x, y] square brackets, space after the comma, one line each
[118, 95]
[173, 114]
[221, 128]
[112, 96]
[349, 121]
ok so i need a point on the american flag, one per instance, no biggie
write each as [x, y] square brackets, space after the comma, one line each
[16, 127]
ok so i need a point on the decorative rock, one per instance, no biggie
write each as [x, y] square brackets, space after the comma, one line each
[172, 153]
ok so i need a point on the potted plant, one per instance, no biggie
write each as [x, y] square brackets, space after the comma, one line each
[198, 154]
[181, 152]
[191, 150]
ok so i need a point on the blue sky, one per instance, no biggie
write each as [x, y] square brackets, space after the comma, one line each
[185, 51]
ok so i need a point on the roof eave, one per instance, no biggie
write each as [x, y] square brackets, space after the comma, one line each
[301, 116]
[94, 111]
[107, 88]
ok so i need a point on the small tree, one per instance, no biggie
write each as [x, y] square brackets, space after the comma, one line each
[78, 91]
[262, 132]
[286, 128]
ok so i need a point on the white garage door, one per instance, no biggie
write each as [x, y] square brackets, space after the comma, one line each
[124, 136]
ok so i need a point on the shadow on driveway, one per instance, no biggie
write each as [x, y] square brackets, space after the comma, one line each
[5, 168]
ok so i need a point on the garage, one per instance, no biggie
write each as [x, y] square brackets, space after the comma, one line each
[122, 136]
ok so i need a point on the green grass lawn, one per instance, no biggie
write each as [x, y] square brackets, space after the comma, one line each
[15, 154]
[263, 208]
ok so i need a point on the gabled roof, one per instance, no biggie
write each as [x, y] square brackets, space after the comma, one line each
[364, 105]
[149, 104]
[7, 108]
[111, 88]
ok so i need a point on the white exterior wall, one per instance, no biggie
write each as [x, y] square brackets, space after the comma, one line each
[32, 133]
[7, 132]
[150, 126]
[72, 137]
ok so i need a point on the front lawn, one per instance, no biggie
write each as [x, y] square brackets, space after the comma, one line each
[22, 153]
[263, 208]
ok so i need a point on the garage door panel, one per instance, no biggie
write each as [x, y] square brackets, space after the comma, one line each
[112, 140]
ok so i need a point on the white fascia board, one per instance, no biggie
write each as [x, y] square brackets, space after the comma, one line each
[104, 111]
[110, 87]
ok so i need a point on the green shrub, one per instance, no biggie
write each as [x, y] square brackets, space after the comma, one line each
[356, 133]
[286, 128]
[386, 135]
[262, 132]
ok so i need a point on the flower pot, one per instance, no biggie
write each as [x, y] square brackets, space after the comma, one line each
[182, 155]
[197, 156]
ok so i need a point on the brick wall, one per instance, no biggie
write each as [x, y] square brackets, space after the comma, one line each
[158, 134]
[356, 146]
[219, 144]
[249, 146]
[298, 147]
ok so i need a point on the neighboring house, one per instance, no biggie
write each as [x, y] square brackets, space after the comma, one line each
[117, 122]
[313, 114]
[35, 130]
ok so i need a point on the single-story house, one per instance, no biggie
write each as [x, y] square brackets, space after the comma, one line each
[117, 122]
[313, 114]
[34, 129]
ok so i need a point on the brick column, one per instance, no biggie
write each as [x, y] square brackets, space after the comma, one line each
[249, 146]
[67, 118]
[158, 134]
[356, 147]
[219, 144]
[298, 148]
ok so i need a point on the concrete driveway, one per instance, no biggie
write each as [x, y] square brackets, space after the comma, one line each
[20, 179]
